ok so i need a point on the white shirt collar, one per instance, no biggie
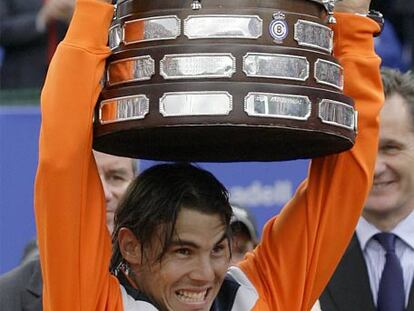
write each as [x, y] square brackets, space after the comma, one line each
[404, 230]
[365, 231]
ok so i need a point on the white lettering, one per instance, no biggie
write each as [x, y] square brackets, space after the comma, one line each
[256, 194]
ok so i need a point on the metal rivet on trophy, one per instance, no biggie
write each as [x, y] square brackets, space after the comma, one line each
[236, 80]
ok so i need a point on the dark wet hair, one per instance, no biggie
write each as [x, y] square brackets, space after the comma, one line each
[156, 196]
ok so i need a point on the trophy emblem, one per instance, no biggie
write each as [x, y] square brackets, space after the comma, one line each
[278, 27]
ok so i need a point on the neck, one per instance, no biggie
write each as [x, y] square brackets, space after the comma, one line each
[385, 221]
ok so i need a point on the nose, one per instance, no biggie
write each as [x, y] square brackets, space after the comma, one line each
[203, 270]
[380, 166]
[107, 190]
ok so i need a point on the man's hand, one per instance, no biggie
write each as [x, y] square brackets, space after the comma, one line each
[353, 6]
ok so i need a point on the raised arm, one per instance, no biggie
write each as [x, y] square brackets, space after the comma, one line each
[300, 249]
[74, 243]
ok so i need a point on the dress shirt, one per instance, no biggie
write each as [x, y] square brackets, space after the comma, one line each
[374, 253]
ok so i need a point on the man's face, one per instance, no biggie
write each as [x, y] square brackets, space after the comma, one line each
[241, 244]
[116, 173]
[190, 274]
[392, 192]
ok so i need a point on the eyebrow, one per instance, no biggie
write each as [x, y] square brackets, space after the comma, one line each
[388, 141]
[180, 242]
[118, 171]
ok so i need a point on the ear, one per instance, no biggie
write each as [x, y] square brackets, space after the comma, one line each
[129, 246]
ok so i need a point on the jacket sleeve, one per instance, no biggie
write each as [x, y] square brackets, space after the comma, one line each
[74, 242]
[302, 246]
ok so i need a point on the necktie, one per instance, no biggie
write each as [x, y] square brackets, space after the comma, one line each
[391, 295]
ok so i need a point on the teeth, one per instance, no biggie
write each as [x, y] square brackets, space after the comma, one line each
[189, 296]
[379, 185]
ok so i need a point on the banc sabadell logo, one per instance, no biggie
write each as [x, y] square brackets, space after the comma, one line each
[257, 194]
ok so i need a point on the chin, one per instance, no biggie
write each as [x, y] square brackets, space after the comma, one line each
[380, 208]
[380, 203]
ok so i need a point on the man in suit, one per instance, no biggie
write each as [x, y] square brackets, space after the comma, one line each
[360, 280]
[21, 288]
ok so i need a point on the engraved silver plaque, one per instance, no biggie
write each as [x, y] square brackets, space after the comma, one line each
[152, 29]
[123, 109]
[277, 105]
[196, 103]
[223, 26]
[313, 35]
[115, 36]
[131, 69]
[329, 73]
[324, 1]
[337, 113]
[281, 66]
[197, 66]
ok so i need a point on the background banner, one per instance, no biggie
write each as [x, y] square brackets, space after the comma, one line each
[262, 187]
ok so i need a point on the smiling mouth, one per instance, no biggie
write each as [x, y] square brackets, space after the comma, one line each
[382, 184]
[187, 296]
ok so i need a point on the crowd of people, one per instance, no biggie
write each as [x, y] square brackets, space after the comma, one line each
[170, 238]
[31, 29]
[29, 33]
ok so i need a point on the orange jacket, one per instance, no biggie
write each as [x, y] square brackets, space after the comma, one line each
[300, 248]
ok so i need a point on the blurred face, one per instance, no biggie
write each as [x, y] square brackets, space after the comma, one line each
[191, 273]
[116, 173]
[392, 193]
[241, 244]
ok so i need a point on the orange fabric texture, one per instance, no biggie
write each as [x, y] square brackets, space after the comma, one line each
[300, 248]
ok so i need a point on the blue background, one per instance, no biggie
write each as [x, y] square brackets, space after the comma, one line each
[263, 187]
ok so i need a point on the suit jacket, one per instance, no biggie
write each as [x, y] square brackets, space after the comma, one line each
[21, 288]
[25, 48]
[349, 288]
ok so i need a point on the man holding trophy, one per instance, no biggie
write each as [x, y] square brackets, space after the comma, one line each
[170, 248]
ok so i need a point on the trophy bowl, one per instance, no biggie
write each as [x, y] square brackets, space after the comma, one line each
[220, 81]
